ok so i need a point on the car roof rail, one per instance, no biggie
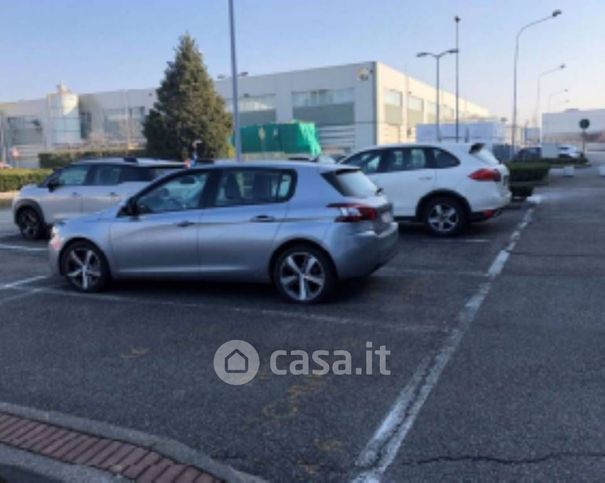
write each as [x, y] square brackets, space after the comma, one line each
[131, 159]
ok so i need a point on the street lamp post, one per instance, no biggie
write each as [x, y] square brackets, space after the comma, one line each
[238, 141]
[538, 96]
[437, 58]
[550, 97]
[457, 20]
[556, 13]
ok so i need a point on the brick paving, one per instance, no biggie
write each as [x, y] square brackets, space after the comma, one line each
[128, 460]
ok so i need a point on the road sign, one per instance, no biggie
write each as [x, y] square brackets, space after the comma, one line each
[584, 123]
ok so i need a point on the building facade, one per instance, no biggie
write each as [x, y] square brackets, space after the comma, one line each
[352, 106]
[564, 127]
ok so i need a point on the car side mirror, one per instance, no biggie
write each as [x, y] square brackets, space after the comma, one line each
[131, 208]
[52, 185]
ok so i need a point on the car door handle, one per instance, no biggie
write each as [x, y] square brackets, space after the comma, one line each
[426, 178]
[185, 224]
[113, 194]
[262, 219]
[75, 194]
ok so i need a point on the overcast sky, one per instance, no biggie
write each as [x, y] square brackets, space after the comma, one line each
[96, 45]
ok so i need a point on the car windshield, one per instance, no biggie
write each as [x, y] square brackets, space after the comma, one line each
[159, 171]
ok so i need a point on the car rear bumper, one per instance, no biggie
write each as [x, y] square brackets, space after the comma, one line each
[360, 254]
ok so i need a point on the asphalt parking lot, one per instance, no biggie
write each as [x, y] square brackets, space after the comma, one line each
[496, 360]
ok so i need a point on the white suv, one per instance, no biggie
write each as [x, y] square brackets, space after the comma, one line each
[82, 187]
[443, 185]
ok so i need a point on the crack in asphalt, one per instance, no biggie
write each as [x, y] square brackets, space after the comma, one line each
[504, 461]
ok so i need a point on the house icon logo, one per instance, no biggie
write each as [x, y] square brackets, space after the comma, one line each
[236, 362]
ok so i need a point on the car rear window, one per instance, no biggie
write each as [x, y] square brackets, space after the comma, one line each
[349, 182]
[486, 156]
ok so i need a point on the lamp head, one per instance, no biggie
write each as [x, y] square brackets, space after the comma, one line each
[556, 13]
[452, 51]
[562, 66]
[422, 54]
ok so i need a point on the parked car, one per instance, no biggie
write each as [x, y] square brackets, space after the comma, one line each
[303, 226]
[531, 153]
[534, 153]
[82, 187]
[445, 186]
[5, 166]
[569, 151]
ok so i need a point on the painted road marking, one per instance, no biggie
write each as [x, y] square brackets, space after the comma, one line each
[5, 246]
[284, 314]
[25, 281]
[384, 445]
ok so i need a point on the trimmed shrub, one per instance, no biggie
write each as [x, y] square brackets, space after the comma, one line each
[521, 191]
[60, 159]
[526, 171]
[14, 179]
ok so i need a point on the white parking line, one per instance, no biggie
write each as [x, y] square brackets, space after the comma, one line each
[384, 445]
[5, 246]
[25, 281]
[252, 311]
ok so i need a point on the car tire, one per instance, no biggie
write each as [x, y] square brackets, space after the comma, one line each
[30, 223]
[85, 267]
[304, 274]
[444, 216]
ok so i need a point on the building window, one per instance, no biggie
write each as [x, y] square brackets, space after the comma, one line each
[322, 97]
[415, 104]
[252, 103]
[85, 124]
[431, 108]
[25, 130]
[393, 97]
[120, 126]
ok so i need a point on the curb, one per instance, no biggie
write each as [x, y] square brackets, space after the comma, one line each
[120, 452]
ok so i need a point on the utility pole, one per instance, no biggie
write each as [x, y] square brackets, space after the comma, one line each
[437, 58]
[457, 20]
[238, 141]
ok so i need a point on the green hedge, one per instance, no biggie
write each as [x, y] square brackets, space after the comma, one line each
[524, 171]
[526, 175]
[59, 159]
[14, 179]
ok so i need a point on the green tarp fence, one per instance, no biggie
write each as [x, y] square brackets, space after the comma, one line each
[295, 137]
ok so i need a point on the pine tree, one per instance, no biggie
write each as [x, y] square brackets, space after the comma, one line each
[188, 109]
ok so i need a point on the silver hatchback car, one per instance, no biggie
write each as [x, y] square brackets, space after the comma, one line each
[302, 226]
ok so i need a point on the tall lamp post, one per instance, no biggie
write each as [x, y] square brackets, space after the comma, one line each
[556, 13]
[554, 94]
[539, 91]
[437, 58]
[238, 140]
[457, 20]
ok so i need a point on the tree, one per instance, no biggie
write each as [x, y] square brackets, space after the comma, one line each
[188, 109]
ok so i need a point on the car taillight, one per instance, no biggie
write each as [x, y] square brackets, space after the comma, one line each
[486, 174]
[353, 212]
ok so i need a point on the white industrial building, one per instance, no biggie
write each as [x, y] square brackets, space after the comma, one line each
[564, 127]
[351, 105]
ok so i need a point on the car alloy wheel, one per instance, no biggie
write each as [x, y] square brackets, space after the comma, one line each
[30, 224]
[443, 218]
[304, 274]
[85, 267]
